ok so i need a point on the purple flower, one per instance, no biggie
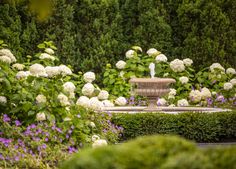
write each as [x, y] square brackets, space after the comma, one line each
[72, 150]
[59, 130]
[18, 123]
[78, 115]
[46, 139]
[6, 118]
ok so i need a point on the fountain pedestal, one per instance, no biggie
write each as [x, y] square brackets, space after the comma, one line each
[152, 88]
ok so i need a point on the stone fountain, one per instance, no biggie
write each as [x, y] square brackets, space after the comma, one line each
[151, 88]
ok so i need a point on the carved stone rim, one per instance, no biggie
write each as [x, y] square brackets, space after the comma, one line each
[152, 80]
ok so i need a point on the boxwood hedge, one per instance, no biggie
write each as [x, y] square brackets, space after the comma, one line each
[201, 127]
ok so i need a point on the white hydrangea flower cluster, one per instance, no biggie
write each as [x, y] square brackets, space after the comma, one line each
[41, 99]
[22, 74]
[153, 52]
[99, 143]
[121, 101]
[40, 116]
[216, 66]
[184, 79]
[88, 89]
[103, 95]
[52, 71]
[49, 51]
[188, 62]
[3, 100]
[130, 54]
[161, 102]
[230, 71]
[172, 94]
[120, 64]
[95, 104]
[83, 101]
[63, 99]
[233, 81]
[89, 77]
[195, 96]
[6, 56]
[205, 93]
[177, 65]
[37, 70]
[46, 56]
[161, 58]
[228, 86]
[69, 88]
[182, 103]
[18, 66]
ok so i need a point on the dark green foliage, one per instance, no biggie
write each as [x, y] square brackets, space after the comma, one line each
[89, 34]
[154, 152]
[146, 152]
[201, 127]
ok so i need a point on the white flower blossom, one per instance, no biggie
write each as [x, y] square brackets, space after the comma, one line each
[49, 51]
[22, 74]
[153, 52]
[37, 70]
[46, 56]
[67, 119]
[52, 71]
[40, 116]
[3, 100]
[172, 92]
[188, 62]
[63, 99]
[213, 93]
[92, 124]
[95, 137]
[130, 53]
[166, 74]
[41, 99]
[177, 65]
[182, 103]
[216, 66]
[83, 101]
[228, 86]
[161, 102]
[107, 103]
[161, 58]
[233, 81]
[121, 101]
[89, 77]
[103, 95]
[95, 104]
[99, 143]
[171, 105]
[195, 96]
[231, 71]
[18, 66]
[7, 52]
[120, 64]
[69, 87]
[88, 89]
[64, 70]
[5, 59]
[184, 79]
[122, 74]
[206, 93]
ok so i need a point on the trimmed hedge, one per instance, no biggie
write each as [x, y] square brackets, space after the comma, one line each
[152, 152]
[201, 127]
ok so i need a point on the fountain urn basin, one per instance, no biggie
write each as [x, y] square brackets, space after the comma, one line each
[152, 88]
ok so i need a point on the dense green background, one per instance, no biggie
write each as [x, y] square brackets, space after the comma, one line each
[91, 33]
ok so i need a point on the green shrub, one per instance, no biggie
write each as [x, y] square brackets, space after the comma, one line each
[153, 152]
[201, 127]
[146, 152]
[222, 157]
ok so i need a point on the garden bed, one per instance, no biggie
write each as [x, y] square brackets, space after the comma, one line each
[200, 127]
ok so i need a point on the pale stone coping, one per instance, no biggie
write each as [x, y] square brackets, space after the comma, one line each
[152, 80]
[166, 110]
